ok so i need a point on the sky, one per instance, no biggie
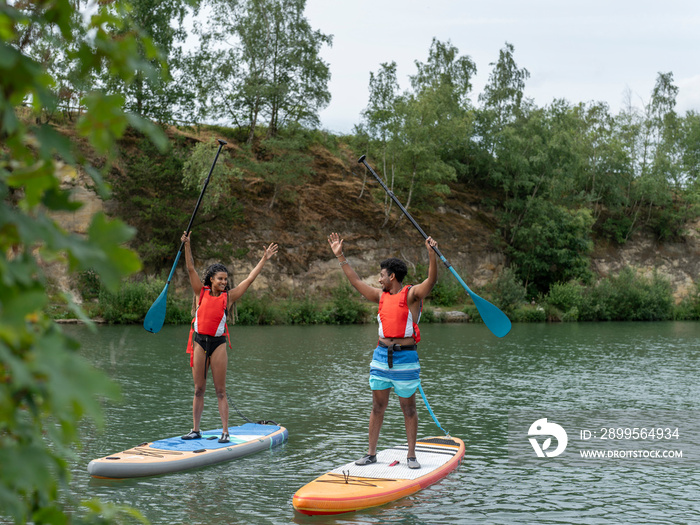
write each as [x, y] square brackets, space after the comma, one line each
[579, 51]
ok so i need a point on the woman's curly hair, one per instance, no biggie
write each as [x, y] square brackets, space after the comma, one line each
[208, 274]
[213, 269]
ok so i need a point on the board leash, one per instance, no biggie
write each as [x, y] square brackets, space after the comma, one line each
[430, 410]
[231, 403]
[261, 422]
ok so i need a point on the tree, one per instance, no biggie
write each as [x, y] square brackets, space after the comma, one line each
[502, 98]
[282, 162]
[380, 110]
[541, 165]
[552, 244]
[45, 44]
[661, 118]
[691, 149]
[196, 170]
[420, 140]
[260, 61]
[434, 121]
[46, 388]
[445, 72]
[382, 121]
[417, 133]
[298, 87]
[154, 92]
[655, 140]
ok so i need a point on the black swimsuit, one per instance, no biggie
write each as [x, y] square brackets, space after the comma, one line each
[209, 343]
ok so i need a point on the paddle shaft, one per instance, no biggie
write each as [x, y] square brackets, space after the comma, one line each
[493, 318]
[196, 208]
[155, 317]
[404, 210]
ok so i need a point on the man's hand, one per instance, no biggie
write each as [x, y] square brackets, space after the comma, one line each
[336, 244]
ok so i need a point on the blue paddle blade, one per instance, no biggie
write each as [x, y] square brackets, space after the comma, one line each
[493, 318]
[156, 315]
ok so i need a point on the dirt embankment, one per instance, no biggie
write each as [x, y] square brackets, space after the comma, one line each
[338, 197]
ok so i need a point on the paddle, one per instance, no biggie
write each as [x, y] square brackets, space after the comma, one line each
[156, 315]
[495, 320]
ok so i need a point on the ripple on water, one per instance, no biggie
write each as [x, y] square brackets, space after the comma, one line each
[313, 380]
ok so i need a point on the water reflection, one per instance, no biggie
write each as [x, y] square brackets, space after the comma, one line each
[313, 380]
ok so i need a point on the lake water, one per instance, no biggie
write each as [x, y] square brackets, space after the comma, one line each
[313, 381]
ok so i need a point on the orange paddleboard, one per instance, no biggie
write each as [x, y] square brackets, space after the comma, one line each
[352, 487]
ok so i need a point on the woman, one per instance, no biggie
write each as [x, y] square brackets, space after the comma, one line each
[209, 333]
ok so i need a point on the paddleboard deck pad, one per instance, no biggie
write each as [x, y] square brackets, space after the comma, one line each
[175, 454]
[351, 487]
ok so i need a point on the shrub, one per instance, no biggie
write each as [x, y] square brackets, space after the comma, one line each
[551, 313]
[616, 228]
[178, 310]
[126, 305]
[571, 315]
[629, 297]
[131, 302]
[196, 169]
[302, 312]
[689, 307]
[529, 314]
[447, 292]
[345, 308]
[430, 316]
[551, 244]
[507, 291]
[565, 299]
[88, 284]
[253, 310]
[473, 314]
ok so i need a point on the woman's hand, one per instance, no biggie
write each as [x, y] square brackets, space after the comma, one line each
[270, 251]
[185, 237]
[430, 243]
[336, 244]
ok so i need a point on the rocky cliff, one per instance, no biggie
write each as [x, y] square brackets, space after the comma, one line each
[339, 198]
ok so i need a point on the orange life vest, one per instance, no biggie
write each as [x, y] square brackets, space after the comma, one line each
[395, 317]
[209, 319]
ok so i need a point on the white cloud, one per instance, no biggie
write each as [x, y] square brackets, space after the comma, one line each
[688, 94]
[577, 50]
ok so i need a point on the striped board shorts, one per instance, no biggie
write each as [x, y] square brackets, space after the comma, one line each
[404, 376]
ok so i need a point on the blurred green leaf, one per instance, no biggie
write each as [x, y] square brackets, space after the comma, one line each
[109, 237]
[103, 122]
[46, 387]
[35, 180]
[51, 142]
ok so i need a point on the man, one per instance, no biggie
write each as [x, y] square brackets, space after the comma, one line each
[395, 360]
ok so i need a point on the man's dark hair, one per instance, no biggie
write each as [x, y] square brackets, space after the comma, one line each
[395, 266]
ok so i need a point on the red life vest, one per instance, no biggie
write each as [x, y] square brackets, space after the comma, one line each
[209, 319]
[395, 317]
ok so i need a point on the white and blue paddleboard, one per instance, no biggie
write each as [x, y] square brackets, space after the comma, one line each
[175, 454]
